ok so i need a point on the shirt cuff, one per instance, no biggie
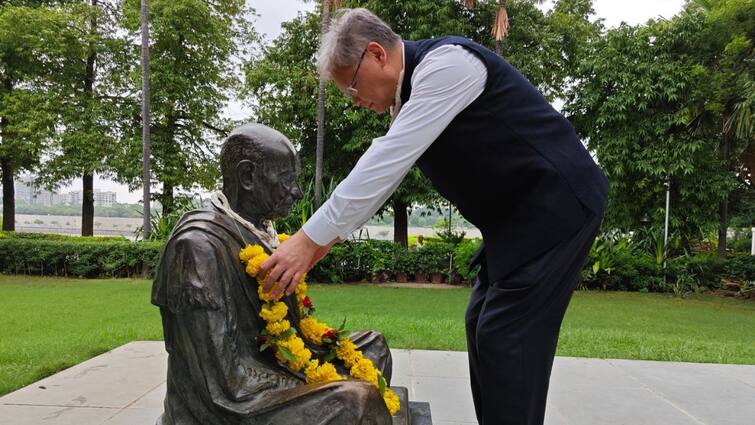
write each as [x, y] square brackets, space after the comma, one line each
[320, 229]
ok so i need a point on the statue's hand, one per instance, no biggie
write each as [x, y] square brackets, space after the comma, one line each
[289, 262]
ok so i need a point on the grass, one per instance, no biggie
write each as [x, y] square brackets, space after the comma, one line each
[49, 324]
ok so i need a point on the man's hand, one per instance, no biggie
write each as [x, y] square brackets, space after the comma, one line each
[290, 261]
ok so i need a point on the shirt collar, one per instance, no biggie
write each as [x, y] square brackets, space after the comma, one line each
[394, 110]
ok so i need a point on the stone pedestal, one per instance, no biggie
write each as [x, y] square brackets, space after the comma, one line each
[412, 412]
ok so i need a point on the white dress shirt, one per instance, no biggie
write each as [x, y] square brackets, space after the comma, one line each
[444, 83]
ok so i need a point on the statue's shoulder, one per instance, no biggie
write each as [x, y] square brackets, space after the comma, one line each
[204, 224]
[189, 274]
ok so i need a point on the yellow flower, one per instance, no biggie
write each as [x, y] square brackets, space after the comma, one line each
[313, 330]
[273, 312]
[277, 328]
[325, 373]
[391, 401]
[254, 263]
[296, 347]
[301, 289]
[346, 351]
[265, 296]
[249, 252]
[365, 371]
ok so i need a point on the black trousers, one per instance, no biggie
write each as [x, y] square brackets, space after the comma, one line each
[512, 329]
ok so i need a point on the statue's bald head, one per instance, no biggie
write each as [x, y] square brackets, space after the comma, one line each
[260, 166]
[253, 142]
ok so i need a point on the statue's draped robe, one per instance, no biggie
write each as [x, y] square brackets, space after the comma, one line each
[216, 373]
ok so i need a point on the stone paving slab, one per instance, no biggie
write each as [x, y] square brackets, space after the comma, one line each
[126, 387]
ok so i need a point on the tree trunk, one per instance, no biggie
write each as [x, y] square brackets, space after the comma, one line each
[723, 207]
[87, 179]
[166, 199]
[9, 195]
[146, 225]
[321, 115]
[9, 192]
[400, 223]
[499, 43]
[87, 205]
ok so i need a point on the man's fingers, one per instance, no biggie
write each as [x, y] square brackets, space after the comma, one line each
[268, 264]
[286, 279]
[294, 283]
[291, 287]
[273, 277]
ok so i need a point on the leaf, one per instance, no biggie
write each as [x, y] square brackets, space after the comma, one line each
[330, 356]
[381, 383]
[287, 354]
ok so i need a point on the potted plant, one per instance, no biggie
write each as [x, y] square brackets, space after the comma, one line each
[438, 255]
[403, 264]
[379, 261]
[417, 264]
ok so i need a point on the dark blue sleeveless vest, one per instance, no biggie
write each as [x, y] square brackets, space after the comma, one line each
[511, 164]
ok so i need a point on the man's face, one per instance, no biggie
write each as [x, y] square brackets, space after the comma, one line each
[373, 80]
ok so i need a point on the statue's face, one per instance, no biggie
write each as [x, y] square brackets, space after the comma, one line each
[270, 187]
[279, 187]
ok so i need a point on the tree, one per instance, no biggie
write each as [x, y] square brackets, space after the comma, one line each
[321, 112]
[31, 40]
[194, 51]
[630, 101]
[86, 103]
[146, 149]
[724, 105]
[500, 28]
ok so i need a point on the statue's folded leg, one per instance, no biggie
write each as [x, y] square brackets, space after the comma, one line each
[373, 345]
[335, 403]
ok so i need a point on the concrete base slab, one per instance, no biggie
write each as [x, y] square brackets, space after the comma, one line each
[126, 387]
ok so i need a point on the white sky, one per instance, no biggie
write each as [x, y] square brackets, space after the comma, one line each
[273, 12]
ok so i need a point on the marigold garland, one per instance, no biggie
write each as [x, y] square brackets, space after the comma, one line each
[289, 349]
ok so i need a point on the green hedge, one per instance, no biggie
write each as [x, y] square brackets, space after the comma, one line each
[360, 261]
[58, 255]
[610, 266]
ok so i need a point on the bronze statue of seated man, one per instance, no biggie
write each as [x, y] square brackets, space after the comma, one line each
[210, 307]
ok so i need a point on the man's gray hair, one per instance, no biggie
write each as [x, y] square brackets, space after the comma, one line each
[351, 30]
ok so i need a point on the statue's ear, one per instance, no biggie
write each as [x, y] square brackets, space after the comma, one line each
[245, 173]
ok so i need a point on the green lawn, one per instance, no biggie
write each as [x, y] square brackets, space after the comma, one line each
[50, 324]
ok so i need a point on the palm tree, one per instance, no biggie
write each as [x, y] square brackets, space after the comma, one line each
[326, 5]
[500, 28]
[146, 226]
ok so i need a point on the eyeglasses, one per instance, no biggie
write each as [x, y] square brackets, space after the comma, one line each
[350, 90]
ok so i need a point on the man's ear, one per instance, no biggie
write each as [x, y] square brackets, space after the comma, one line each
[378, 52]
[245, 172]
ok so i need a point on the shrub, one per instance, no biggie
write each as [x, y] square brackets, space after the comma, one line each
[81, 258]
[463, 256]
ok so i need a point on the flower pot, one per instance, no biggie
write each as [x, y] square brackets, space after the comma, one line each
[377, 277]
[401, 277]
[419, 277]
[436, 277]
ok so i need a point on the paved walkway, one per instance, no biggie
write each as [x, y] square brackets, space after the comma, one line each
[126, 387]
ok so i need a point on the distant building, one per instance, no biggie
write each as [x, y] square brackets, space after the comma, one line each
[25, 192]
[104, 198]
[101, 198]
